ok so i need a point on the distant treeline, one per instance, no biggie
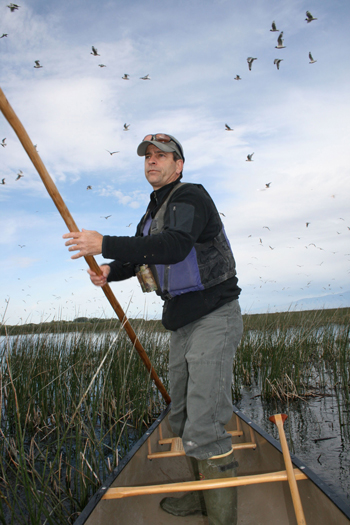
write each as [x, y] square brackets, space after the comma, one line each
[339, 316]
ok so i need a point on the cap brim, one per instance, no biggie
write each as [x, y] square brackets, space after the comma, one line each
[167, 147]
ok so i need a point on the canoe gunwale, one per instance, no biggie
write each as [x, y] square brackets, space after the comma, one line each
[328, 491]
[85, 513]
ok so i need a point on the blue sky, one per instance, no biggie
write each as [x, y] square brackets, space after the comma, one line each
[295, 120]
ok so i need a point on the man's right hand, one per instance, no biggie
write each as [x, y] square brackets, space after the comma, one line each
[100, 280]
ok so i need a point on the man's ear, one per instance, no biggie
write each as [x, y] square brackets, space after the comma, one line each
[179, 166]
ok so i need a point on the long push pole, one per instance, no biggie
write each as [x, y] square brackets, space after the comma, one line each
[27, 144]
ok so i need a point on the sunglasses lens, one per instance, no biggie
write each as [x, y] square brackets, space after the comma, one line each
[161, 137]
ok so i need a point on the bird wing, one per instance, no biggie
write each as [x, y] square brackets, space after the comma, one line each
[280, 39]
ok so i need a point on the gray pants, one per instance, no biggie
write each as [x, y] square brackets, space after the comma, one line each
[200, 372]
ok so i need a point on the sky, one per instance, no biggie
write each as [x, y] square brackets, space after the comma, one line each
[286, 212]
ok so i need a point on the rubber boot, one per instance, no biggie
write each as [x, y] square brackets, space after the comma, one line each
[190, 503]
[221, 504]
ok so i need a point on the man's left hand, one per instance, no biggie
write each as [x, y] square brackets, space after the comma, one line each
[86, 242]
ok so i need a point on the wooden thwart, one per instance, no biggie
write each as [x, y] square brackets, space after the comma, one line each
[206, 484]
[177, 449]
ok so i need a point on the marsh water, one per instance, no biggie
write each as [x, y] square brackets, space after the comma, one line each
[317, 431]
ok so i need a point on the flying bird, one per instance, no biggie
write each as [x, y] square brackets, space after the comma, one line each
[146, 77]
[126, 76]
[249, 157]
[280, 41]
[112, 152]
[309, 18]
[277, 61]
[37, 64]
[227, 127]
[94, 52]
[19, 174]
[3, 181]
[250, 61]
[13, 7]
[312, 61]
[102, 65]
[267, 228]
[126, 127]
[3, 143]
[22, 245]
[3, 35]
[107, 217]
[307, 224]
[89, 187]
[267, 184]
[237, 77]
[273, 26]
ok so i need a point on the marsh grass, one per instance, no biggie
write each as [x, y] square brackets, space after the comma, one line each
[295, 360]
[73, 402]
[72, 405]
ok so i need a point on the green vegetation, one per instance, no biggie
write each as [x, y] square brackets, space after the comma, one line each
[73, 400]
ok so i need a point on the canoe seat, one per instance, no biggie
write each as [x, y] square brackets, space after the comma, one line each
[177, 449]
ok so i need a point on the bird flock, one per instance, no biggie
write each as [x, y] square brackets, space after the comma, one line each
[277, 61]
[250, 157]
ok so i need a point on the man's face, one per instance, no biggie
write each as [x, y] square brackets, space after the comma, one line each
[160, 167]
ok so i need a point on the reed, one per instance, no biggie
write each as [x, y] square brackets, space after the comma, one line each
[72, 405]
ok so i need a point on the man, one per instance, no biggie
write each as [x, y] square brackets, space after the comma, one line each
[182, 241]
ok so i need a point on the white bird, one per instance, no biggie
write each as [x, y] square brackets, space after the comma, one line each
[277, 61]
[227, 127]
[280, 41]
[13, 7]
[37, 64]
[237, 77]
[112, 152]
[146, 77]
[250, 60]
[126, 76]
[126, 127]
[274, 28]
[3, 144]
[94, 52]
[309, 18]
[312, 61]
[19, 174]
[249, 157]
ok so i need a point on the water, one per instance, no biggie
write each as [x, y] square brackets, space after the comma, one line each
[308, 421]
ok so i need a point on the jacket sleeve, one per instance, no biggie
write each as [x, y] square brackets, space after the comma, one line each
[120, 272]
[190, 217]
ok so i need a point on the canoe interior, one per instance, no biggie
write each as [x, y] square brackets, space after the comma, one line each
[266, 503]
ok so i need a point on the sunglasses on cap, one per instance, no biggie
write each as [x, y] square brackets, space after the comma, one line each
[161, 137]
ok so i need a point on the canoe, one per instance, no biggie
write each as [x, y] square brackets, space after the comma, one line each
[156, 467]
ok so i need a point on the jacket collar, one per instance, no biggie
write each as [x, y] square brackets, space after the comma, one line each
[157, 197]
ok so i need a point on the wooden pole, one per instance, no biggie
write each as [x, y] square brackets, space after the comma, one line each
[205, 484]
[27, 144]
[279, 420]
